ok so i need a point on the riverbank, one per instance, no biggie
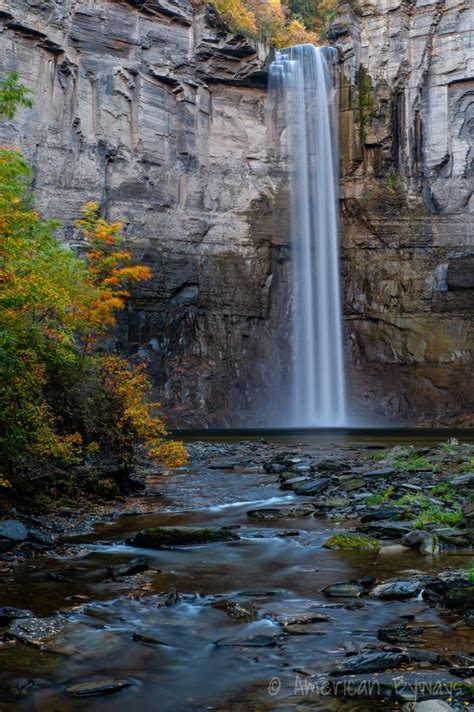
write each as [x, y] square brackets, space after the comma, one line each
[382, 612]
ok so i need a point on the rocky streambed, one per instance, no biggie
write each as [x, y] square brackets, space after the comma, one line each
[263, 575]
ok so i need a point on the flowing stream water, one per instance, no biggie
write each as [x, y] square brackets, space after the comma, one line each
[303, 87]
[279, 572]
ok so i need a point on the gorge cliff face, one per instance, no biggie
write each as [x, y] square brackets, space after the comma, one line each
[407, 150]
[156, 111]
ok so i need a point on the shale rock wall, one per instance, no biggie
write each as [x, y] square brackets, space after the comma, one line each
[156, 111]
[152, 108]
[407, 151]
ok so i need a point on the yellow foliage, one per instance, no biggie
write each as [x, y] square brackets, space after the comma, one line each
[238, 17]
[293, 34]
[270, 21]
[134, 419]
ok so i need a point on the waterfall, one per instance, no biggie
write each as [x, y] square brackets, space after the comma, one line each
[303, 88]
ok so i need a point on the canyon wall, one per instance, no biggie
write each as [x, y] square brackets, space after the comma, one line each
[157, 112]
[152, 108]
[407, 152]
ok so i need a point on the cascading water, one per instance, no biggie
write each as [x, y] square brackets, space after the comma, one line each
[303, 88]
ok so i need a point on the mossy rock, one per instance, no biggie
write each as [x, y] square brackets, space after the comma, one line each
[164, 537]
[352, 541]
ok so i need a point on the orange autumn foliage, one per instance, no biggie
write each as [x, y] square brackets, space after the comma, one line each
[110, 270]
[61, 398]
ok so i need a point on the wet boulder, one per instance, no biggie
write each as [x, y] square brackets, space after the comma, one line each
[293, 482]
[433, 706]
[9, 614]
[348, 540]
[294, 511]
[97, 687]
[13, 529]
[345, 589]
[370, 662]
[382, 514]
[134, 566]
[459, 594]
[401, 634]
[39, 536]
[397, 590]
[166, 537]
[240, 611]
[424, 541]
[387, 529]
[311, 487]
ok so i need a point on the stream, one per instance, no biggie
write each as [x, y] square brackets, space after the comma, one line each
[168, 653]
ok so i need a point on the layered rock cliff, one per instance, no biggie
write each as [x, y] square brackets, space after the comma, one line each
[156, 111]
[152, 108]
[407, 130]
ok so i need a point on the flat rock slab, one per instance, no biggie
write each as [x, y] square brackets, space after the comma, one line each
[311, 487]
[240, 611]
[290, 512]
[380, 472]
[256, 641]
[166, 537]
[370, 662]
[343, 590]
[392, 530]
[401, 634]
[9, 613]
[402, 686]
[97, 687]
[397, 590]
[130, 568]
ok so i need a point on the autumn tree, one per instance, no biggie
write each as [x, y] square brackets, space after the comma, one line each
[61, 396]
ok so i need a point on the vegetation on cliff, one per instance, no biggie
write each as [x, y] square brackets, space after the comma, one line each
[281, 24]
[62, 395]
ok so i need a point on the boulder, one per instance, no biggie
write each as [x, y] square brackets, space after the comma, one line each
[424, 541]
[345, 589]
[349, 540]
[97, 687]
[134, 566]
[397, 590]
[240, 611]
[401, 634]
[13, 529]
[311, 487]
[165, 537]
[9, 613]
[293, 511]
[433, 706]
[370, 662]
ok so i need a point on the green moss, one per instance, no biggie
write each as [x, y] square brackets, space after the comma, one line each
[380, 498]
[438, 515]
[418, 500]
[352, 541]
[162, 537]
[364, 101]
[412, 464]
[465, 467]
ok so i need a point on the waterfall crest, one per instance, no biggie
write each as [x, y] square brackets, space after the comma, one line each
[303, 87]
